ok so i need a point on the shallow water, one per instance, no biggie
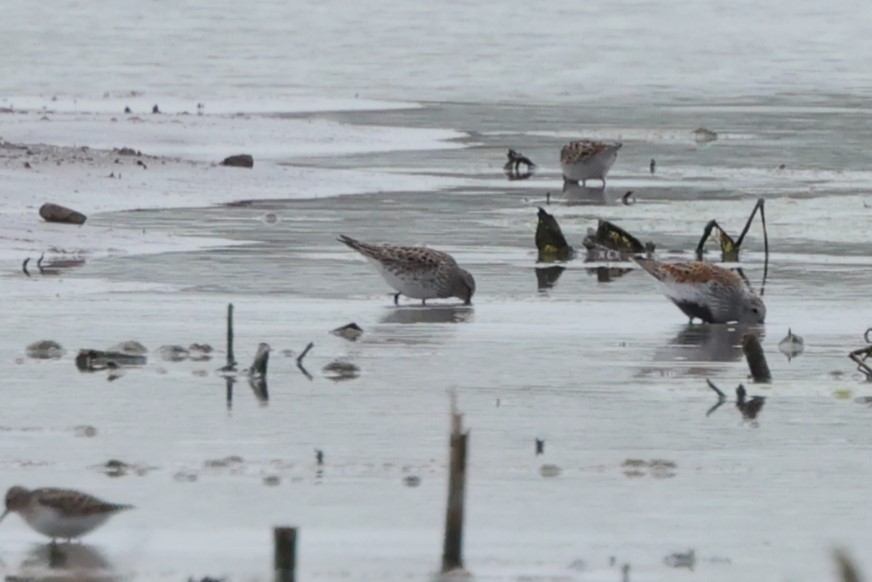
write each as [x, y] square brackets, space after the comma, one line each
[603, 371]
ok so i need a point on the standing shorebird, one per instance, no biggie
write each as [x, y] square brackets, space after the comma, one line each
[707, 292]
[417, 272]
[59, 513]
[587, 160]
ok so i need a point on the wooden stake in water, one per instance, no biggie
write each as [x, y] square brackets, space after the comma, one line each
[231, 361]
[285, 557]
[756, 359]
[452, 552]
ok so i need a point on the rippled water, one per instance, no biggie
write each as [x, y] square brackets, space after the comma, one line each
[604, 371]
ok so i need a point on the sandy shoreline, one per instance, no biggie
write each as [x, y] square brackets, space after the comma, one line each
[74, 158]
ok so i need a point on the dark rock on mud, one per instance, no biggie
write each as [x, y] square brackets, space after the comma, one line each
[89, 360]
[56, 213]
[239, 161]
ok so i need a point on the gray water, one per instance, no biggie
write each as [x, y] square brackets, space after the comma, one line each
[604, 372]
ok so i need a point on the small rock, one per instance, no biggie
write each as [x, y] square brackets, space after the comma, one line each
[411, 480]
[127, 110]
[200, 352]
[681, 560]
[45, 350]
[225, 462]
[339, 370]
[272, 480]
[239, 161]
[131, 347]
[56, 213]
[155, 109]
[185, 477]
[173, 353]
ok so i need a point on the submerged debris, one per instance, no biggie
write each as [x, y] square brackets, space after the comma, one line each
[681, 560]
[703, 135]
[339, 370]
[549, 470]
[513, 166]
[85, 431]
[45, 350]
[116, 468]
[658, 468]
[550, 241]
[350, 331]
[90, 360]
[411, 481]
[860, 355]
[730, 248]
[173, 353]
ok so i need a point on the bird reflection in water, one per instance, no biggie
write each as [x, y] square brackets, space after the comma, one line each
[575, 194]
[71, 561]
[697, 345]
[430, 314]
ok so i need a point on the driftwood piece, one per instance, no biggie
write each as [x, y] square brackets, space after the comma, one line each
[56, 213]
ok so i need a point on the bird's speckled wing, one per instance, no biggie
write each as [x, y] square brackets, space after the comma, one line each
[584, 149]
[74, 503]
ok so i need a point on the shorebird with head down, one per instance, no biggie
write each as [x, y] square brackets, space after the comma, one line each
[59, 513]
[707, 292]
[588, 160]
[417, 272]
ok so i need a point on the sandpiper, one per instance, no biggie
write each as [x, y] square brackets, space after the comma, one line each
[59, 513]
[707, 292]
[417, 272]
[587, 160]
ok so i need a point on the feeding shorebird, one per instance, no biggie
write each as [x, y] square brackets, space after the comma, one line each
[707, 292]
[417, 272]
[59, 513]
[587, 160]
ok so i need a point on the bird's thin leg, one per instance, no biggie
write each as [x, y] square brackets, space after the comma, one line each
[583, 183]
[396, 299]
[423, 302]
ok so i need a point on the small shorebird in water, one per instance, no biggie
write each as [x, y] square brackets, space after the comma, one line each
[587, 160]
[417, 272]
[59, 513]
[707, 292]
